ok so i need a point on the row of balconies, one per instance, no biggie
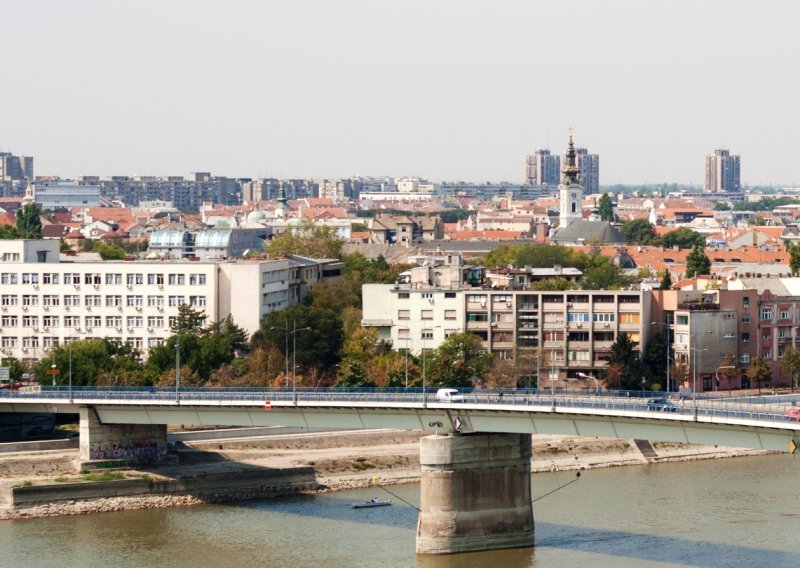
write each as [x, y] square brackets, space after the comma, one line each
[45, 329]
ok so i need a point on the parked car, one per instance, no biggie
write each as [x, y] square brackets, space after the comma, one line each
[449, 395]
[12, 385]
[661, 405]
[793, 413]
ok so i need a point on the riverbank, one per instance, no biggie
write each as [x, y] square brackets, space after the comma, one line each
[212, 471]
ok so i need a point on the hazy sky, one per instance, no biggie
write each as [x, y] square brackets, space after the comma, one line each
[448, 90]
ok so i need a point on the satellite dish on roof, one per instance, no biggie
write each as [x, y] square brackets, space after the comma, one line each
[246, 252]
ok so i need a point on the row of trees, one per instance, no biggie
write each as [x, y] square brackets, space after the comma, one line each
[642, 232]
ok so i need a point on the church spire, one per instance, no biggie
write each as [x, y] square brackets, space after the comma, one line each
[570, 169]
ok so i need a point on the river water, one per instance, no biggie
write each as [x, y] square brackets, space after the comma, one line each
[716, 513]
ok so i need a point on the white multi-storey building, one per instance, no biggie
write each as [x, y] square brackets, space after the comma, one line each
[46, 301]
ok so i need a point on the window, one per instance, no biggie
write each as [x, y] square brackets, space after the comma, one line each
[746, 337]
[784, 315]
[634, 337]
[427, 295]
[30, 278]
[449, 314]
[72, 300]
[766, 314]
[578, 355]
[51, 300]
[403, 314]
[197, 280]
[9, 343]
[477, 316]
[30, 342]
[682, 319]
[92, 278]
[728, 335]
[629, 299]
[8, 278]
[135, 321]
[155, 321]
[176, 301]
[112, 301]
[426, 334]
[154, 341]
[783, 332]
[577, 316]
[766, 354]
[9, 321]
[501, 298]
[28, 300]
[49, 342]
[745, 318]
[745, 357]
[746, 302]
[553, 318]
[155, 279]
[426, 314]
[604, 317]
[114, 321]
[93, 300]
[629, 318]
[135, 301]
[30, 321]
[155, 301]
[9, 300]
[403, 295]
[72, 321]
[449, 294]
[50, 278]
[403, 334]
[50, 321]
[132, 279]
[476, 299]
[92, 321]
[135, 342]
[113, 278]
[197, 301]
[72, 278]
[177, 279]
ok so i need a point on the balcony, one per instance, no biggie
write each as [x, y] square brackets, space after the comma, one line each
[699, 306]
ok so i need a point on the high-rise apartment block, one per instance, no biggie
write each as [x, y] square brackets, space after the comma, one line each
[589, 166]
[542, 168]
[15, 168]
[722, 172]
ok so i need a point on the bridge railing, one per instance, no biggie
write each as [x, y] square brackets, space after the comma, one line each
[768, 408]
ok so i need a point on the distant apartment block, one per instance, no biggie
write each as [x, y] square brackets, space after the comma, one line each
[589, 166]
[15, 168]
[542, 168]
[722, 172]
[62, 194]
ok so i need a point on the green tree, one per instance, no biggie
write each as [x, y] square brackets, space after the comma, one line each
[109, 251]
[29, 222]
[188, 320]
[683, 238]
[307, 239]
[600, 273]
[789, 365]
[537, 256]
[9, 232]
[624, 361]
[352, 374]
[318, 346]
[553, 284]
[759, 372]
[697, 263]
[91, 358]
[606, 209]
[794, 258]
[721, 206]
[457, 359]
[639, 232]
[666, 280]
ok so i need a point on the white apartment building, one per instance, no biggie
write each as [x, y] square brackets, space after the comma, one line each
[46, 301]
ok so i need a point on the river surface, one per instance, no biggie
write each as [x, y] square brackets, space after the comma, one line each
[715, 513]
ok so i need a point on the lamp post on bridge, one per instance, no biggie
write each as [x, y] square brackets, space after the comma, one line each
[667, 327]
[596, 383]
[294, 359]
[285, 329]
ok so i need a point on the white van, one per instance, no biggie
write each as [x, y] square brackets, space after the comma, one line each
[449, 395]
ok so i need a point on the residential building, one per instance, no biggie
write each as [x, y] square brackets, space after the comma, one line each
[542, 168]
[63, 194]
[46, 301]
[589, 166]
[15, 168]
[722, 172]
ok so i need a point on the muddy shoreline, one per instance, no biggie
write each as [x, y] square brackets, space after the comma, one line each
[331, 462]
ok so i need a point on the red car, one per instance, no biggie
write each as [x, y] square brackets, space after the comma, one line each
[793, 413]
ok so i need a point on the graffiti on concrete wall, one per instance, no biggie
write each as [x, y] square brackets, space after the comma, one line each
[143, 451]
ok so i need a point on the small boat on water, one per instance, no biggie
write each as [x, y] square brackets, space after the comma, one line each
[372, 503]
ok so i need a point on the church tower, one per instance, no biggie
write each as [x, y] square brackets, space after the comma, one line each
[570, 189]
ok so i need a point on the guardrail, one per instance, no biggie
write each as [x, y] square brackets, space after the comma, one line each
[745, 408]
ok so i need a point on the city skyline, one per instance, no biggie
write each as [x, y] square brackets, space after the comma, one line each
[452, 91]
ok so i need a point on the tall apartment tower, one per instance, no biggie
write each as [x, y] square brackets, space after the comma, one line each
[570, 190]
[589, 166]
[722, 172]
[15, 168]
[542, 168]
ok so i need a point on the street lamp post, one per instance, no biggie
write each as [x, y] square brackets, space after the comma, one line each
[424, 378]
[408, 336]
[178, 364]
[294, 359]
[596, 384]
[285, 329]
[69, 350]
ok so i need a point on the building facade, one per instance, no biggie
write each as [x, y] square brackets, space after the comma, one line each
[722, 172]
[542, 168]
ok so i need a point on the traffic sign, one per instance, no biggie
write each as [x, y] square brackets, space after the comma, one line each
[267, 405]
[5, 374]
[457, 424]
[53, 371]
[792, 446]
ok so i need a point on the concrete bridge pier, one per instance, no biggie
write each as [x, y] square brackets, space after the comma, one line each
[106, 445]
[475, 493]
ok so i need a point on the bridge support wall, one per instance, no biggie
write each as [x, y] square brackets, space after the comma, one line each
[109, 444]
[475, 493]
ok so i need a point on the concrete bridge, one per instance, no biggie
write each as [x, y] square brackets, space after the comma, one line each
[475, 467]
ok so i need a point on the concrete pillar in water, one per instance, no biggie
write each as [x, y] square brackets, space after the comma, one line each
[135, 444]
[475, 493]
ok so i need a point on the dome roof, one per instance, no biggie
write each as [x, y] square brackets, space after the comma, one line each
[256, 215]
